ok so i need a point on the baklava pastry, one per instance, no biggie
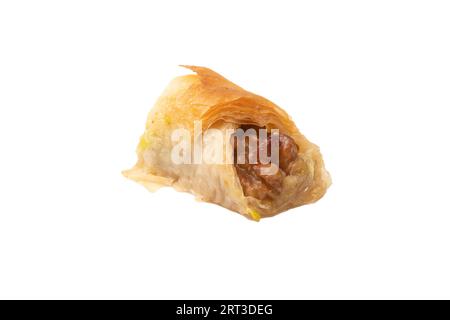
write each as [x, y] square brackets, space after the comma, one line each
[207, 136]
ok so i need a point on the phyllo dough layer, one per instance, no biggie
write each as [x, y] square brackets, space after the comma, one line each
[208, 98]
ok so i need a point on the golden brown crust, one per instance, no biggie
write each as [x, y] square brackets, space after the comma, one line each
[221, 104]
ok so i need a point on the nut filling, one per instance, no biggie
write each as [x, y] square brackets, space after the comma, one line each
[253, 182]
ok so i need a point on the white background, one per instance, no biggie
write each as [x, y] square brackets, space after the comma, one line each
[368, 81]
